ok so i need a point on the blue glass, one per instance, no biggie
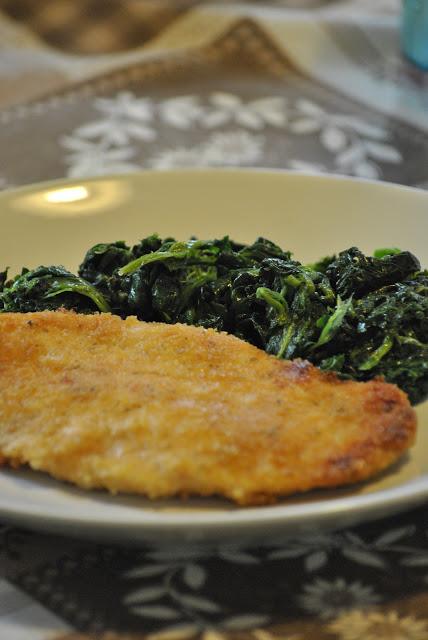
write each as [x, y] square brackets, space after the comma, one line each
[414, 32]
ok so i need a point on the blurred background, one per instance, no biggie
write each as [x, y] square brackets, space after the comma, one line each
[90, 87]
[105, 26]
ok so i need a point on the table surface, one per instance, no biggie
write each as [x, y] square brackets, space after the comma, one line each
[89, 88]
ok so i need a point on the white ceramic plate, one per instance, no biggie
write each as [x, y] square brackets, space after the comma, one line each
[311, 215]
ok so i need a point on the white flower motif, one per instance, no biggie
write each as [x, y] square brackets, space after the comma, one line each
[181, 112]
[227, 107]
[312, 118]
[175, 577]
[328, 599]
[89, 158]
[354, 141]
[126, 117]
[232, 148]
[355, 159]
[221, 149]
[317, 548]
[359, 625]
[167, 586]
[231, 552]
[125, 104]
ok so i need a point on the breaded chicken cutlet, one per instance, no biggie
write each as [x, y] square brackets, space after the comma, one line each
[167, 410]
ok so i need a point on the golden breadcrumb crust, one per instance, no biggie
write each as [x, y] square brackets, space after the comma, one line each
[163, 410]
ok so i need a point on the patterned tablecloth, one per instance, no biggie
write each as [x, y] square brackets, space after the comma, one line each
[91, 87]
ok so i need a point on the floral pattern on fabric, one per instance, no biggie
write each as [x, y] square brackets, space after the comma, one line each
[109, 144]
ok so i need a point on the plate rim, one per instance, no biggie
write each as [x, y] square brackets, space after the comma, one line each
[188, 171]
[413, 492]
